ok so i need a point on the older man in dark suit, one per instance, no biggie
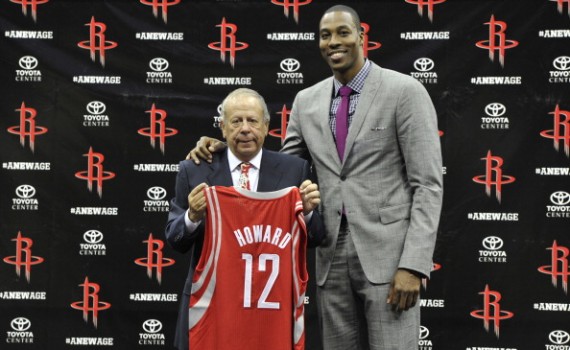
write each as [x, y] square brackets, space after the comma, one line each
[244, 126]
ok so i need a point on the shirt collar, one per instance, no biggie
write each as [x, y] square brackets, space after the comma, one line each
[357, 83]
[234, 162]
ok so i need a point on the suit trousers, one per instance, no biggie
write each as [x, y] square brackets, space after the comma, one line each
[353, 312]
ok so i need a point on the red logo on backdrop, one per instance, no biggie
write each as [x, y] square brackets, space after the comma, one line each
[23, 258]
[27, 127]
[560, 5]
[95, 172]
[32, 4]
[491, 310]
[228, 43]
[157, 128]
[435, 267]
[282, 132]
[97, 42]
[559, 265]
[90, 302]
[368, 45]
[561, 131]
[162, 5]
[287, 4]
[497, 40]
[425, 3]
[493, 176]
[154, 258]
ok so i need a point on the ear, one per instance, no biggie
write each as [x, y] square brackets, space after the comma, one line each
[223, 130]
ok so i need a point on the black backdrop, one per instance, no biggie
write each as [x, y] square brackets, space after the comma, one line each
[89, 152]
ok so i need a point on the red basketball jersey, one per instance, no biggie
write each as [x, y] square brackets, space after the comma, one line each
[248, 289]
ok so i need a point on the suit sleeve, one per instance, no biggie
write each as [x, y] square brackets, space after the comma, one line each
[294, 143]
[418, 138]
[176, 233]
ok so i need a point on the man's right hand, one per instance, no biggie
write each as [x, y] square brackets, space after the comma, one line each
[204, 149]
[197, 203]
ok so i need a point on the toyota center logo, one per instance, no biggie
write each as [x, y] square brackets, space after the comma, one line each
[20, 324]
[158, 64]
[424, 64]
[28, 62]
[290, 65]
[156, 193]
[560, 198]
[96, 107]
[424, 332]
[25, 191]
[495, 109]
[152, 326]
[559, 337]
[93, 236]
[561, 63]
[492, 243]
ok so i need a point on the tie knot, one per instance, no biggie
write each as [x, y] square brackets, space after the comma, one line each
[344, 91]
[245, 166]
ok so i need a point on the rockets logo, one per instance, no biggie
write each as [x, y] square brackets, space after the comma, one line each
[493, 176]
[32, 4]
[291, 4]
[27, 127]
[559, 5]
[154, 258]
[228, 43]
[497, 40]
[95, 172]
[368, 45]
[425, 3]
[97, 42]
[90, 302]
[157, 128]
[561, 131]
[559, 265]
[491, 310]
[282, 132]
[23, 258]
[162, 5]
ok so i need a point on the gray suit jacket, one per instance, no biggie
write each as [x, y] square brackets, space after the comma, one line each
[391, 179]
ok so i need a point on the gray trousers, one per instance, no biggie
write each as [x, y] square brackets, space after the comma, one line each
[353, 312]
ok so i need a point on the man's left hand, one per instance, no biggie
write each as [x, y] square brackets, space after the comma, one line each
[310, 196]
[404, 290]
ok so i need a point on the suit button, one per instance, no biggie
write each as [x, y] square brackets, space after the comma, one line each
[343, 177]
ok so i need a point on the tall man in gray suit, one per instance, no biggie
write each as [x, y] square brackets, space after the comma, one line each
[381, 195]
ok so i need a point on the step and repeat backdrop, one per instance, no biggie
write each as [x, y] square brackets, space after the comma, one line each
[100, 100]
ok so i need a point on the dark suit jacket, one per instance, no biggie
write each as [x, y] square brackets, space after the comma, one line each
[276, 172]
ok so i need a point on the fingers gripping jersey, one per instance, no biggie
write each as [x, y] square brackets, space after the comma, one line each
[249, 286]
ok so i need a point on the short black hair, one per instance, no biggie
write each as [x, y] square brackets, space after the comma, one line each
[349, 10]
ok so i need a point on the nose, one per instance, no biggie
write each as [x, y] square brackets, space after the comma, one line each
[333, 41]
[245, 127]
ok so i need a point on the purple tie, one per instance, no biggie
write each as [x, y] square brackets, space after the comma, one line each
[342, 120]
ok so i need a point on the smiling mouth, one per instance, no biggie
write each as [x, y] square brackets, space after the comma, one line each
[336, 55]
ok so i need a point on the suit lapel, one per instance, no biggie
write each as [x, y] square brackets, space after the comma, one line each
[323, 99]
[369, 91]
[220, 171]
[269, 174]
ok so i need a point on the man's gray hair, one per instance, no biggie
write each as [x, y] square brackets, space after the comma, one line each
[232, 96]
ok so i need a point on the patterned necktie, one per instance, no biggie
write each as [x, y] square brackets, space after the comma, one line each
[244, 175]
[342, 120]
